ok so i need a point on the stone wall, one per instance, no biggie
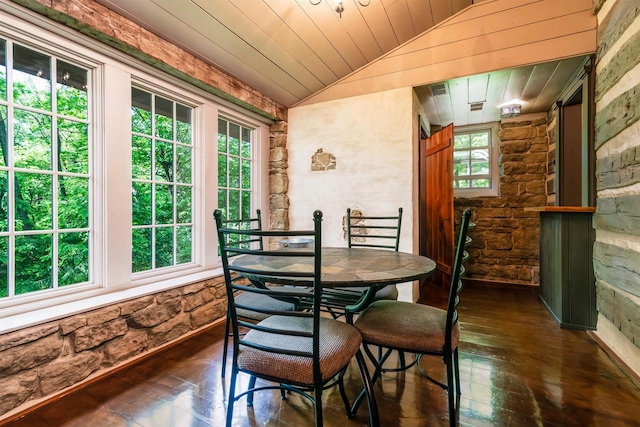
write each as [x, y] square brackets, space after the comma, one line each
[278, 177]
[43, 360]
[506, 239]
[617, 141]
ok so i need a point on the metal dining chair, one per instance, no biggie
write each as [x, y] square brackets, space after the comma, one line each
[297, 351]
[263, 302]
[420, 329]
[378, 232]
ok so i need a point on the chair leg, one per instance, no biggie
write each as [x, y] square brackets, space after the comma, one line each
[318, 403]
[376, 373]
[225, 345]
[456, 364]
[374, 416]
[451, 395]
[232, 396]
[252, 384]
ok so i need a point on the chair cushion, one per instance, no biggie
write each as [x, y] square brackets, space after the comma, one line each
[260, 301]
[389, 292]
[411, 327]
[339, 342]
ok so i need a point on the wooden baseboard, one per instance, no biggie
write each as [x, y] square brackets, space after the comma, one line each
[494, 283]
[102, 374]
[635, 377]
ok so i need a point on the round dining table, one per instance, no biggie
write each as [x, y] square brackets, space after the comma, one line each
[343, 267]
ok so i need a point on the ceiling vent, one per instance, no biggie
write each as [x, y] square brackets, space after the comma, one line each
[438, 89]
[476, 106]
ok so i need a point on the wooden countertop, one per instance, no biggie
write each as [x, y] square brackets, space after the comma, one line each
[568, 209]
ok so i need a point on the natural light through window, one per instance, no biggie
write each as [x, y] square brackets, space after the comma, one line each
[234, 170]
[474, 162]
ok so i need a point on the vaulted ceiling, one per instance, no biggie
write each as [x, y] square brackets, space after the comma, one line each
[292, 49]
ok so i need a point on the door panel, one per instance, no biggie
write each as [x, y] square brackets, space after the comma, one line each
[437, 227]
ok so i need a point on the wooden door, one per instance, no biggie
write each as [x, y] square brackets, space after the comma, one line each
[436, 200]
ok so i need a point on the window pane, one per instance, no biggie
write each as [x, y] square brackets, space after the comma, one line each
[164, 118]
[183, 124]
[141, 203]
[184, 244]
[73, 146]
[3, 72]
[234, 139]
[234, 172]
[246, 142]
[183, 164]
[4, 136]
[140, 157]
[140, 111]
[222, 136]
[72, 98]
[4, 271]
[164, 161]
[246, 204]
[31, 78]
[460, 169]
[480, 139]
[479, 168]
[183, 204]
[222, 170]
[461, 141]
[222, 202]
[73, 258]
[4, 206]
[480, 154]
[34, 197]
[164, 204]
[141, 244]
[33, 270]
[73, 202]
[480, 183]
[164, 247]
[246, 174]
[234, 204]
[32, 140]
[463, 183]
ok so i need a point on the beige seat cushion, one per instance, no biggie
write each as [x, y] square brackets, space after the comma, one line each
[412, 327]
[263, 302]
[339, 342]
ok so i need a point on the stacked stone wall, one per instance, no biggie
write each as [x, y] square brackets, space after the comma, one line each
[278, 177]
[505, 245]
[42, 360]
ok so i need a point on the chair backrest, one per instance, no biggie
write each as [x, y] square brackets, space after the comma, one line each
[245, 224]
[456, 281]
[306, 281]
[374, 231]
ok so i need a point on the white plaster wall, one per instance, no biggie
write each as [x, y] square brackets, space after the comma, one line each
[373, 138]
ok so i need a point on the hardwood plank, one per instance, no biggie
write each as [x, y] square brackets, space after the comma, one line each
[517, 368]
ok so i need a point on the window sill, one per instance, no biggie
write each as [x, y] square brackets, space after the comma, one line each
[31, 318]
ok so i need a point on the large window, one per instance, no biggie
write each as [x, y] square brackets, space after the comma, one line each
[109, 175]
[162, 194]
[45, 171]
[474, 161]
[234, 169]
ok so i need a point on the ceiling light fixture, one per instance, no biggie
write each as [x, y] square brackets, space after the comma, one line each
[510, 110]
[340, 5]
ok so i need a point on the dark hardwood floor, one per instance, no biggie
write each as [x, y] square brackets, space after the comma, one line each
[518, 368]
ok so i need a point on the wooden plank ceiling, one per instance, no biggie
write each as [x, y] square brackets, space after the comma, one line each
[299, 53]
[287, 49]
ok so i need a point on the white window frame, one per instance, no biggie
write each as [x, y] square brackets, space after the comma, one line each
[494, 153]
[113, 75]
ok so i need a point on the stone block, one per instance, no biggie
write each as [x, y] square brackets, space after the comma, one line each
[541, 148]
[278, 201]
[279, 140]
[207, 313]
[155, 314]
[67, 371]
[509, 189]
[103, 315]
[278, 184]
[279, 219]
[497, 202]
[510, 158]
[541, 122]
[501, 241]
[517, 146]
[513, 168]
[72, 323]
[194, 287]
[29, 355]
[170, 330]
[535, 187]
[170, 295]
[16, 390]
[125, 347]
[27, 335]
[526, 238]
[128, 307]
[525, 274]
[280, 126]
[518, 133]
[92, 336]
[278, 154]
[537, 168]
[198, 299]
